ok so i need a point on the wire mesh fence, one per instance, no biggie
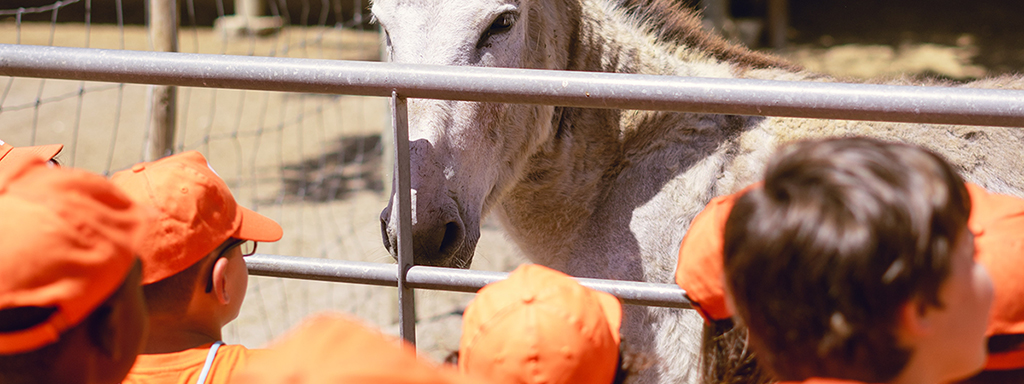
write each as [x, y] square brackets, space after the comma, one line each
[311, 162]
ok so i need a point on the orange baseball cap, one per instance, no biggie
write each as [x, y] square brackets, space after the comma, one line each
[335, 349]
[541, 326]
[46, 152]
[195, 213]
[997, 222]
[700, 270]
[69, 239]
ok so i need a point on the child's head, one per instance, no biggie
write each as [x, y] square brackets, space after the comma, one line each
[540, 325]
[854, 261]
[71, 307]
[192, 256]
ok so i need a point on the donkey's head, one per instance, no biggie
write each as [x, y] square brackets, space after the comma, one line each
[465, 155]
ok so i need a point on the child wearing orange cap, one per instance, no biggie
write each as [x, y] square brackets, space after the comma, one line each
[193, 274]
[333, 349]
[854, 263]
[541, 326]
[71, 306]
[997, 222]
[8, 153]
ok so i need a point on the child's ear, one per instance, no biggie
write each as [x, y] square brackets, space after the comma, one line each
[220, 280]
[914, 321]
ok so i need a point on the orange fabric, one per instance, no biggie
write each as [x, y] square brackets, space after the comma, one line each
[69, 238]
[541, 326]
[8, 153]
[185, 366]
[699, 271]
[997, 222]
[820, 380]
[196, 213]
[333, 348]
[1005, 361]
[998, 225]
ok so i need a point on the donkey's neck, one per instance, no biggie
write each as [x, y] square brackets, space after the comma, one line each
[572, 175]
[566, 179]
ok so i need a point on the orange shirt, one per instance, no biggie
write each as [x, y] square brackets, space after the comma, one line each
[184, 367]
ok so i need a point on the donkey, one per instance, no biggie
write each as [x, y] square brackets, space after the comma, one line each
[609, 193]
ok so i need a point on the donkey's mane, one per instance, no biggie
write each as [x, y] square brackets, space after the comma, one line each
[673, 23]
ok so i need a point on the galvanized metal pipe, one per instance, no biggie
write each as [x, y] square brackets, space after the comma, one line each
[445, 279]
[403, 204]
[939, 105]
[336, 271]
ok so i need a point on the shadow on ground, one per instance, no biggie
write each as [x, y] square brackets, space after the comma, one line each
[352, 164]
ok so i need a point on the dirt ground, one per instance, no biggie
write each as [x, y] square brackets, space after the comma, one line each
[313, 162]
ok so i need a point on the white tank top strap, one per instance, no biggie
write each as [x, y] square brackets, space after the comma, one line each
[209, 362]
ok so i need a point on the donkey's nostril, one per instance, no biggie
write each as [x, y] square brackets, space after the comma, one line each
[384, 233]
[452, 240]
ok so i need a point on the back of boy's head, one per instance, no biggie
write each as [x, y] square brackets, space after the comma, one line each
[844, 232]
[69, 241]
[196, 214]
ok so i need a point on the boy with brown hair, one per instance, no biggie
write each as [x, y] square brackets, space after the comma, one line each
[71, 307]
[194, 277]
[854, 262]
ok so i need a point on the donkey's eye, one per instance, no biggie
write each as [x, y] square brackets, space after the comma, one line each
[503, 23]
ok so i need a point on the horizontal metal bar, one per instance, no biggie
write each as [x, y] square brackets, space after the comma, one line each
[309, 268]
[445, 279]
[939, 105]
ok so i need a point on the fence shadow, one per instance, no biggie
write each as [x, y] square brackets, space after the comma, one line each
[351, 164]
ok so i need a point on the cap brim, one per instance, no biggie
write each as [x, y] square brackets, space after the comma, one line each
[257, 227]
[612, 308]
[46, 152]
[1005, 361]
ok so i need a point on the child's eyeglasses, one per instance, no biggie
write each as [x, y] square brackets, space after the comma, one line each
[248, 248]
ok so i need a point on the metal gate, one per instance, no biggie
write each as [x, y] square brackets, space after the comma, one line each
[937, 105]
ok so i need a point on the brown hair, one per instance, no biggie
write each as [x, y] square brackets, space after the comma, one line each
[842, 235]
[726, 358]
